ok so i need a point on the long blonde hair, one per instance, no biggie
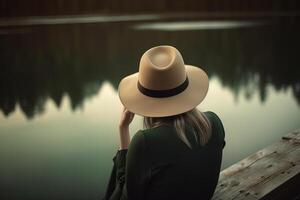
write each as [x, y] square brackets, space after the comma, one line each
[194, 118]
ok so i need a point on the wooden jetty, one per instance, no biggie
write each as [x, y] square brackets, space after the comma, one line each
[271, 173]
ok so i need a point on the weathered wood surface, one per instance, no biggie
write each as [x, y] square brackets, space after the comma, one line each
[271, 173]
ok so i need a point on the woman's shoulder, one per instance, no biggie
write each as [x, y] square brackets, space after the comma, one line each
[211, 114]
[143, 137]
[158, 133]
[160, 128]
[142, 134]
[138, 142]
[216, 122]
[213, 117]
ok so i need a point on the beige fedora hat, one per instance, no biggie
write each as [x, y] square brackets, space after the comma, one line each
[164, 85]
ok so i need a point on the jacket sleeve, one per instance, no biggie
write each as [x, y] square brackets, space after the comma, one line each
[111, 182]
[132, 171]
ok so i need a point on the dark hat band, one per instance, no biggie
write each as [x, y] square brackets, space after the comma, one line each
[163, 93]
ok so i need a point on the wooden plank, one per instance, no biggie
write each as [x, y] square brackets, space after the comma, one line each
[278, 186]
[295, 135]
[264, 173]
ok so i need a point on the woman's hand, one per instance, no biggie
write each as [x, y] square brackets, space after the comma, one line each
[126, 119]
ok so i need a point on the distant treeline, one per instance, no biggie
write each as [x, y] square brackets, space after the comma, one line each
[13, 8]
[48, 62]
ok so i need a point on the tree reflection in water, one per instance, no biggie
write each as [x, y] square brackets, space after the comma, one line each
[50, 61]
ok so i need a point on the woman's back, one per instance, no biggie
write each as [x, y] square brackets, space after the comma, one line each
[178, 171]
[168, 169]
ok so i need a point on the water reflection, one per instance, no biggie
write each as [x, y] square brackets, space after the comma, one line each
[68, 155]
[64, 79]
[53, 61]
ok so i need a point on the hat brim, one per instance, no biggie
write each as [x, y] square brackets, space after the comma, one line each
[143, 105]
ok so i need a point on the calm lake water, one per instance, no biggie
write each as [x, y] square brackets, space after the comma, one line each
[60, 109]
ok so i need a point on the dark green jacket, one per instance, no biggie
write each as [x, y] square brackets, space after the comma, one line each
[160, 166]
